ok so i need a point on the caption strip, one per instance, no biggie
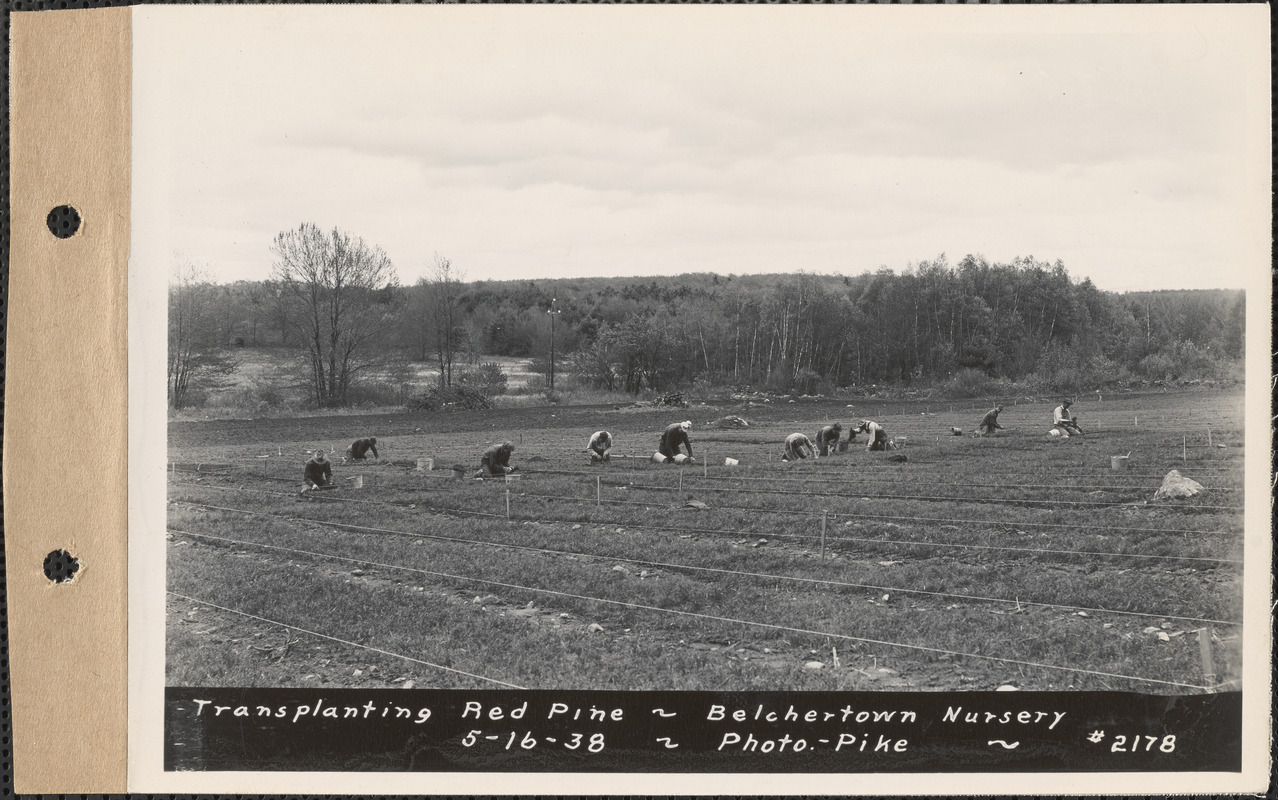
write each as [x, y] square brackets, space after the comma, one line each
[583, 731]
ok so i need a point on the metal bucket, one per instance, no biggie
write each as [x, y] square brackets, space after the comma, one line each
[1118, 463]
[658, 458]
[425, 464]
[357, 481]
[681, 459]
[730, 462]
[841, 447]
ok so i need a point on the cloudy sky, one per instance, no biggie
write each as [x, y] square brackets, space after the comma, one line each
[559, 141]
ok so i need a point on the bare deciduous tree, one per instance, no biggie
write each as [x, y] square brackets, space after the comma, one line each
[444, 285]
[195, 351]
[341, 297]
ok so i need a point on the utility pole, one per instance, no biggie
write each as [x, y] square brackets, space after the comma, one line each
[553, 312]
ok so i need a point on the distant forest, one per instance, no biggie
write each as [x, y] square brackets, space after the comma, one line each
[973, 328]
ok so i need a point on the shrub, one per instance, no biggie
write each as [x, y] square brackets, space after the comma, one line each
[807, 381]
[195, 397]
[487, 379]
[969, 383]
[377, 393]
[437, 398]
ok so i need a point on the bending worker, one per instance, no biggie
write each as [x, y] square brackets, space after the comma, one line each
[496, 461]
[1062, 421]
[878, 436]
[989, 423]
[828, 439]
[797, 448]
[675, 435]
[319, 472]
[361, 446]
[599, 445]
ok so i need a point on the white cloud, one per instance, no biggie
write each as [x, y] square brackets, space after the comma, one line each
[559, 141]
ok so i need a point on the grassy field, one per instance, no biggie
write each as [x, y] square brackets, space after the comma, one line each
[979, 562]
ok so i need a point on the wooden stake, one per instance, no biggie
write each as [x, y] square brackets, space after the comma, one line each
[598, 491]
[508, 502]
[1184, 449]
[681, 481]
[1136, 422]
[705, 463]
[823, 517]
[1209, 444]
[1204, 651]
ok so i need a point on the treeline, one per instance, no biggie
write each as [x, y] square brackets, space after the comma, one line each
[972, 327]
[933, 323]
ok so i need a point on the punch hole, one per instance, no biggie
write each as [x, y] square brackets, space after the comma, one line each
[63, 222]
[60, 566]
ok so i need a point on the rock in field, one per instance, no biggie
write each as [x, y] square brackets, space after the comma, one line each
[1176, 486]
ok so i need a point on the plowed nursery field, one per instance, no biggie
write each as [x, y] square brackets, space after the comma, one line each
[952, 562]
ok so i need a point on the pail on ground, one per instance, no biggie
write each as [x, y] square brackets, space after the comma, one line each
[900, 441]
[513, 476]
[680, 459]
[459, 473]
[842, 447]
[730, 462]
[658, 458]
[357, 481]
[425, 464]
[1118, 463]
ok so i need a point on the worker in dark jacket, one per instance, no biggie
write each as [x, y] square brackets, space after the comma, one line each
[797, 448]
[319, 471]
[496, 461]
[674, 436]
[989, 423]
[362, 446]
[827, 439]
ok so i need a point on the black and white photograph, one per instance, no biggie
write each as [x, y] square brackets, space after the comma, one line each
[707, 395]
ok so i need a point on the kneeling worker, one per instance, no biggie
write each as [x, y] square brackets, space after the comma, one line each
[319, 472]
[1062, 421]
[878, 436]
[496, 461]
[797, 448]
[989, 423]
[599, 445]
[361, 446]
[674, 436]
[828, 439]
